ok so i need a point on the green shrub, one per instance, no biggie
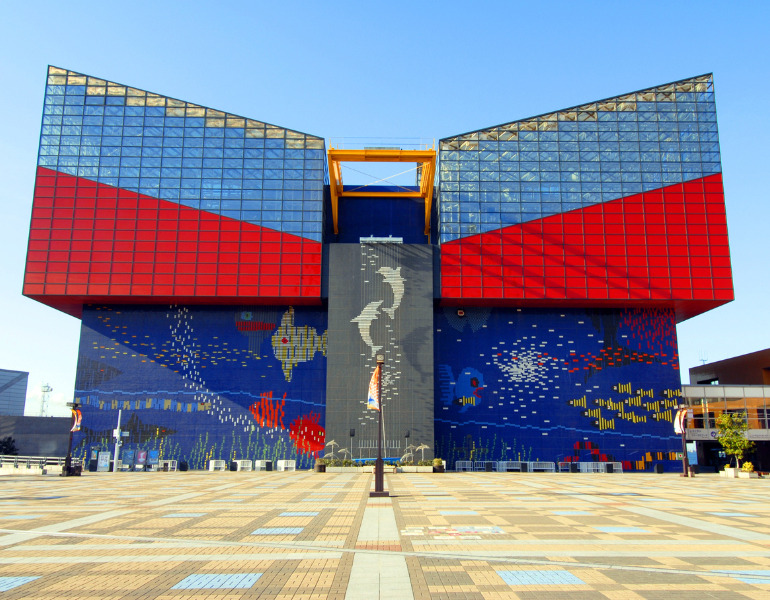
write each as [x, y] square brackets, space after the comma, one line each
[8, 446]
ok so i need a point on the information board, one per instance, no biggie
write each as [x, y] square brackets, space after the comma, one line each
[104, 461]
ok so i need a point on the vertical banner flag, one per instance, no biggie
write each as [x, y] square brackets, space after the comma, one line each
[373, 401]
[680, 421]
[77, 418]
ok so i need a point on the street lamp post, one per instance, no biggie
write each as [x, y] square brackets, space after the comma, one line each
[681, 422]
[379, 487]
[67, 470]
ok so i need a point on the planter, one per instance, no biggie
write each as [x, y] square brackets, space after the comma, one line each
[345, 469]
[748, 475]
[417, 469]
[730, 473]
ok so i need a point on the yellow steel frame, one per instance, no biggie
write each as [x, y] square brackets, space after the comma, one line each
[426, 158]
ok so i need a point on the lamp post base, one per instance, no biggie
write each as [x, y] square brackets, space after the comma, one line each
[379, 480]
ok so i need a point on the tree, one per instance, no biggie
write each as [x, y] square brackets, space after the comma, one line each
[732, 429]
[8, 446]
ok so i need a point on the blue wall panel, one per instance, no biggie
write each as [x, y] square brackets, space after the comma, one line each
[202, 383]
[556, 385]
[379, 217]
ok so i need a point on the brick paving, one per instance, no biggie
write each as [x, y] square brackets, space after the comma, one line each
[305, 535]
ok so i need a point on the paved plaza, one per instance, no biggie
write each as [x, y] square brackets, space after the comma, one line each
[305, 535]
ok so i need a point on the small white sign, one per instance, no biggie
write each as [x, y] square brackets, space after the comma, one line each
[701, 434]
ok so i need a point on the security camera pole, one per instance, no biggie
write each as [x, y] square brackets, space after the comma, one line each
[375, 402]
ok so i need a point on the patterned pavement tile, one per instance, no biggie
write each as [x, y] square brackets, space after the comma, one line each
[277, 531]
[625, 536]
[540, 577]
[218, 582]
[756, 576]
[8, 583]
[571, 512]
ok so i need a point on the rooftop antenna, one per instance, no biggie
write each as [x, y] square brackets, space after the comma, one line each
[46, 389]
[703, 357]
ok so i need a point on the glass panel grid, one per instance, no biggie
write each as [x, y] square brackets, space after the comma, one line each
[589, 154]
[118, 121]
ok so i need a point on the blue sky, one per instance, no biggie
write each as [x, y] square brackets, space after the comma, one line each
[392, 69]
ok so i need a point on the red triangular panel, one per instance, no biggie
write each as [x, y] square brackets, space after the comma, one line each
[667, 247]
[91, 242]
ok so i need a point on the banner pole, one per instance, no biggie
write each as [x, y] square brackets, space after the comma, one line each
[379, 487]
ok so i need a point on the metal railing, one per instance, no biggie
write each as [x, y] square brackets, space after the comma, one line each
[36, 462]
[591, 467]
[504, 466]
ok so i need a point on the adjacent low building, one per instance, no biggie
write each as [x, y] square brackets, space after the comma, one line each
[235, 293]
[13, 392]
[747, 369]
[738, 385]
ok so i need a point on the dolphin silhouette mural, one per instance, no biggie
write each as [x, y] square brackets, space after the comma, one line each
[396, 282]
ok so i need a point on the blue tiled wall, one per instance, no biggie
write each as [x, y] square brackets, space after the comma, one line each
[530, 384]
[380, 217]
[202, 383]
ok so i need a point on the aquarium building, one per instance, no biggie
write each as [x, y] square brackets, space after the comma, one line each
[234, 292]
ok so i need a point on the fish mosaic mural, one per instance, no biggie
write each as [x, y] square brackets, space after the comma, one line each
[257, 324]
[550, 377]
[307, 435]
[209, 381]
[465, 391]
[293, 345]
